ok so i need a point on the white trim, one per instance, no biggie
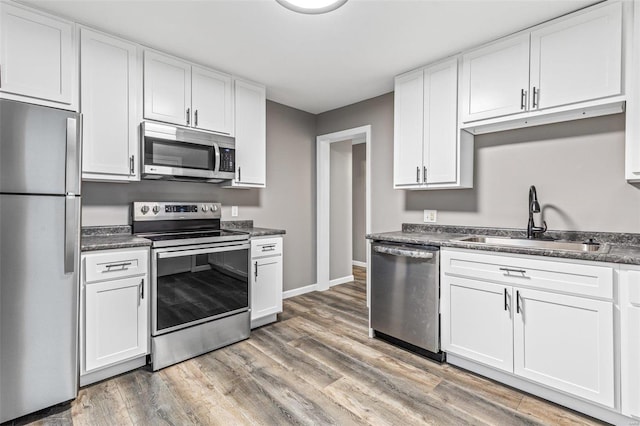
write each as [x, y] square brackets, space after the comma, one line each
[299, 291]
[323, 196]
[358, 263]
[342, 280]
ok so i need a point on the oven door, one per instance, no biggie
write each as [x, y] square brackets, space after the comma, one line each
[199, 283]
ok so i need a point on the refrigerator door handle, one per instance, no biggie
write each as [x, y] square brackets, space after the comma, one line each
[71, 214]
[73, 171]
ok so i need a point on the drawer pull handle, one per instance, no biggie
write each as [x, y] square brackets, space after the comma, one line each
[506, 306]
[269, 248]
[122, 266]
[515, 271]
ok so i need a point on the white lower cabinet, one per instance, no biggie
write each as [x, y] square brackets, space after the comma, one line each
[266, 280]
[115, 312]
[481, 304]
[500, 311]
[565, 342]
[630, 339]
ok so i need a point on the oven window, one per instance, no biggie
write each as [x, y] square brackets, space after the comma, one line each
[195, 287]
[178, 154]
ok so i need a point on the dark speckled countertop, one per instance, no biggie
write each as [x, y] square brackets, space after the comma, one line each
[615, 247]
[247, 226]
[119, 236]
[110, 237]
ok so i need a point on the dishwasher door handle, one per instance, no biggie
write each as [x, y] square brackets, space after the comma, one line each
[404, 252]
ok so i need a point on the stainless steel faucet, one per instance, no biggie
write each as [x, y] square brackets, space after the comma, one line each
[534, 231]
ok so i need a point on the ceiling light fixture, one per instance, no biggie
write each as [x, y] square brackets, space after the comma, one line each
[312, 6]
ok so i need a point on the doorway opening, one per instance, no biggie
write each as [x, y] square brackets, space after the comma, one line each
[358, 135]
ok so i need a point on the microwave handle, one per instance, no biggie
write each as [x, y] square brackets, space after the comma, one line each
[216, 158]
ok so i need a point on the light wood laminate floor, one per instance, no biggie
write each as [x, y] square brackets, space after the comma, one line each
[317, 366]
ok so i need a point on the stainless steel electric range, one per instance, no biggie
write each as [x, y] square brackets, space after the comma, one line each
[200, 297]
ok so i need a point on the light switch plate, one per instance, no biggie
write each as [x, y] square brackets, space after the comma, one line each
[234, 211]
[430, 216]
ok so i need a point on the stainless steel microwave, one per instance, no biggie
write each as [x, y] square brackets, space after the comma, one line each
[176, 153]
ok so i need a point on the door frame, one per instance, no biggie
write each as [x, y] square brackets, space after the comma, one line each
[323, 172]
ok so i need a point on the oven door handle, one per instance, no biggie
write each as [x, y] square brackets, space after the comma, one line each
[182, 253]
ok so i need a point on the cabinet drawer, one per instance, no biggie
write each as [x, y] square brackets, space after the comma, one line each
[115, 264]
[266, 247]
[555, 275]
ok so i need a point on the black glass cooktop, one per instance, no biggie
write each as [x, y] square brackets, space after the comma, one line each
[194, 235]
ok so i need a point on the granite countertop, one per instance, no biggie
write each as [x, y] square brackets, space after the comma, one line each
[110, 237]
[119, 236]
[616, 247]
[247, 226]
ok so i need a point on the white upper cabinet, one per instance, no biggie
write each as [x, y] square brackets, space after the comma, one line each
[37, 57]
[565, 63]
[495, 79]
[108, 101]
[578, 59]
[251, 135]
[429, 152]
[167, 89]
[408, 128]
[178, 92]
[212, 100]
[440, 153]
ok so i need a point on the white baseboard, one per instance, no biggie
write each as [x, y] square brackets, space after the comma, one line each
[358, 263]
[342, 280]
[298, 291]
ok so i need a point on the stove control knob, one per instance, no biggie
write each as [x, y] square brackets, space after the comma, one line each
[156, 209]
[214, 208]
[144, 209]
[205, 208]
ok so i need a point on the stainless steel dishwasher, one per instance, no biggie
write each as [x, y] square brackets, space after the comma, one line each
[405, 296]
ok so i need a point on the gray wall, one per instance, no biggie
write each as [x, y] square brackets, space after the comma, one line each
[577, 167]
[340, 211]
[288, 202]
[358, 204]
[386, 203]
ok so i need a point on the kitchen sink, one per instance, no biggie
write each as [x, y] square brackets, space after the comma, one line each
[542, 244]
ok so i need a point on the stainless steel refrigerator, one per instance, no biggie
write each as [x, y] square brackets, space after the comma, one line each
[39, 257]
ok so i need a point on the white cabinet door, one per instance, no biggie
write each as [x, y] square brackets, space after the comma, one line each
[116, 321]
[495, 79]
[476, 321]
[266, 287]
[630, 340]
[408, 129]
[251, 134]
[108, 99]
[36, 55]
[577, 59]
[565, 342]
[212, 100]
[167, 89]
[441, 123]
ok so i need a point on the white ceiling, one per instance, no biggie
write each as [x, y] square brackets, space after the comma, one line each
[312, 62]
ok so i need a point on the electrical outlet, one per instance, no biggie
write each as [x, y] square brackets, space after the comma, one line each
[430, 216]
[234, 211]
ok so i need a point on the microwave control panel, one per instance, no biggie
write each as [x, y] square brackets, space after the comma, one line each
[227, 160]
